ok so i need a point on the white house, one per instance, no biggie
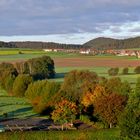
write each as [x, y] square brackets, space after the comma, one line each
[48, 50]
[85, 51]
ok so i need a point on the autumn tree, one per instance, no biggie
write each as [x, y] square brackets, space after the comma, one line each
[110, 107]
[65, 111]
[76, 83]
[90, 97]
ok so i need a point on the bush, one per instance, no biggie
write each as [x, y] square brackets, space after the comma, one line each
[125, 71]
[113, 71]
[21, 84]
[137, 70]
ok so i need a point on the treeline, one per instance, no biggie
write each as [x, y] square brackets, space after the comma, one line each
[102, 43]
[7, 45]
[39, 45]
[23, 73]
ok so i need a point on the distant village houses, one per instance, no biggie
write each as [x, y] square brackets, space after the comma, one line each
[85, 51]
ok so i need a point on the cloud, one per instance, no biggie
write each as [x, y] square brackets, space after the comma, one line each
[50, 17]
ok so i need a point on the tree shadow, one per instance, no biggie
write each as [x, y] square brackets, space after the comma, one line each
[17, 113]
[60, 75]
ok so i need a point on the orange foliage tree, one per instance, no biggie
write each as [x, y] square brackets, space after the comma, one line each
[110, 107]
[65, 111]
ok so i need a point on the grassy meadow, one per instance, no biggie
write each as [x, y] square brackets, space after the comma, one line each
[14, 107]
[105, 134]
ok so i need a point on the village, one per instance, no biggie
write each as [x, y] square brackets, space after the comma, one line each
[119, 52]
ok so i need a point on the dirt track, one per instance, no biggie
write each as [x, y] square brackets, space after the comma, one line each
[100, 62]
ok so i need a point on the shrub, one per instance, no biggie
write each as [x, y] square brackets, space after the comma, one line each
[125, 71]
[113, 71]
[137, 70]
[21, 84]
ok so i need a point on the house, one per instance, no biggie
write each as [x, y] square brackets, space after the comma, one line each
[84, 51]
[48, 50]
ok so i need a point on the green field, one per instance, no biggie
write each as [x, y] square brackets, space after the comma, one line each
[14, 55]
[14, 107]
[101, 71]
[106, 134]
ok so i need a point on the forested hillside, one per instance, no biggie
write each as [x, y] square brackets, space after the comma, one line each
[38, 45]
[102, 43]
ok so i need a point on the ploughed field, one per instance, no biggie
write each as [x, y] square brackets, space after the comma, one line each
[62, 59]
[94, 61]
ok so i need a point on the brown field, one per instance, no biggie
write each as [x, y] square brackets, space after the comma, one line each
[97, 62]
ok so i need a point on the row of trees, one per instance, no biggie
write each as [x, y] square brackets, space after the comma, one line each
[14, 76]
[125, 71]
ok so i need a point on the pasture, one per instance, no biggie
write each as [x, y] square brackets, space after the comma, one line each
[14, 107]
[106, 134]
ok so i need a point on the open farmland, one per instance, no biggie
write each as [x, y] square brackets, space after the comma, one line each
[65, 62]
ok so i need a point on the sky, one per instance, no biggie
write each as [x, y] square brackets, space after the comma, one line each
[68, 21]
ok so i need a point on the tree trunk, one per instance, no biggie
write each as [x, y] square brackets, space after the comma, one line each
[110, 125]
[62, 127]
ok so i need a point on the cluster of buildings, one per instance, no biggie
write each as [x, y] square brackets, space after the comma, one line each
[85, 51]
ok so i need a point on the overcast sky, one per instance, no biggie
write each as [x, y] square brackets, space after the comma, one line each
[68, 21]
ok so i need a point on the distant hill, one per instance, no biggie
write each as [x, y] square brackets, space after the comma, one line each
[38, 45]
[100, 43]
[103, 43]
